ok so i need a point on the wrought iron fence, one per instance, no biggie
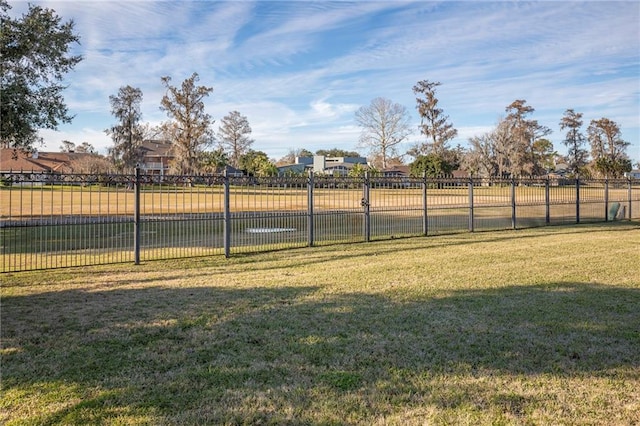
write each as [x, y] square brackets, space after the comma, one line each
[52, 221]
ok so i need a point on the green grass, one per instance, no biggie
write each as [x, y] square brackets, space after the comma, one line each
[534, 326]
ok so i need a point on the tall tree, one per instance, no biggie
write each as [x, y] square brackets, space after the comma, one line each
[480, 158]
[434, 124]
[128, 133]
[577, 156]
[608, 150]
[543, 156]
[189, 126]
[507, 153]
[35, 56]
[233, 136]
[384, 126]
[391, 161]
[523, 133]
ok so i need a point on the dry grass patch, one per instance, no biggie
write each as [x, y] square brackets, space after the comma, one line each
[537, 326]
[95, 200]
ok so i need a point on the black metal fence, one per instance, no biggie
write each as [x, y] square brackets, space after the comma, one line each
[52, 221]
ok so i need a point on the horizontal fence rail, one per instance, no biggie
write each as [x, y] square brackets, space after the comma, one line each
[53, 221]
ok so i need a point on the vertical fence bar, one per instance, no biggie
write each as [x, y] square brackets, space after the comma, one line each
[606, 199]
[67, 228]
[629, 198]
[136, 217]
[425, 218]
[547, 202]
[310, 213]
[577, 200]
[227, 216]
[471, 214]
[366, 206]
[513, 203]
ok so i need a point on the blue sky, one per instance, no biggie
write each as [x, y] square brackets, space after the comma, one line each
[299, 70]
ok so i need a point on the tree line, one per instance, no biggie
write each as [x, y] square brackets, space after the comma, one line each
[35, 57]
[517, 146]
[188, 128]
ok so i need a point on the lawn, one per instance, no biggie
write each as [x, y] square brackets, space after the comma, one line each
[538, 326]
[49, 202]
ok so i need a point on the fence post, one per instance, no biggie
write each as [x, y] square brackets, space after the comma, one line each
[310, 218]
[471, 215]
[366, 206]
[547, 202]
[136, 217]
[606, 199]
[227, 216]
[629, 197]
[513, 202]
[425, 219]
[577, 199]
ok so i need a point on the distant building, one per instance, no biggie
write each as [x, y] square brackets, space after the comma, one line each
[155, 157]
[337, 166]
[633, 174]
[231, 171]
[293, 169]
[17, 160]
[396, 171]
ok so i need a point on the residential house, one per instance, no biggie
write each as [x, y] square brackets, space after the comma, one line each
[17, 160]
[155, 156]
[231, 171]
[396, 171]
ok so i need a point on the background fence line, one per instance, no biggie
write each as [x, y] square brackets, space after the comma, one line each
[52, 221]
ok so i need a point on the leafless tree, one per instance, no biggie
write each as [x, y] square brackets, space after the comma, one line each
[67, 146]
[292, 154]
[385, 125]
[233, 136]
[92, 163]
[86, 147]
[480, 159]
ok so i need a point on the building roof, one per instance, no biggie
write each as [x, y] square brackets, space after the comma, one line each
[16, 160]
[398, 170]
[156, 148]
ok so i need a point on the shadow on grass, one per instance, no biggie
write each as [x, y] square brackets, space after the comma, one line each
[294, 355]
[412, 243]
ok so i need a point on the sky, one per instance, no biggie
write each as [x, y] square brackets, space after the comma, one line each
[299, 70]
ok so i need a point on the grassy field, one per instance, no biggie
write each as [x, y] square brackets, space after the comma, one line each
[46, 201]
[536, 326]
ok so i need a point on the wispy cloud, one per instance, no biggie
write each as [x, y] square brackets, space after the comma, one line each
[299, 70]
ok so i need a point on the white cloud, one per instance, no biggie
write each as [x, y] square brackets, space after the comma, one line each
[299, 70]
